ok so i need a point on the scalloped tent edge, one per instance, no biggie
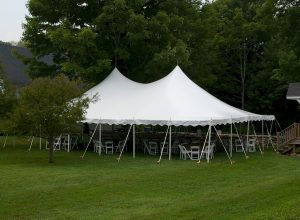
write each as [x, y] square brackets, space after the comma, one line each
[173, 100]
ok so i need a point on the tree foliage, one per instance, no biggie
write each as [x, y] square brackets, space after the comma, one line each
[88, 38]
[7, 95]
[54, 105]
[230, 47]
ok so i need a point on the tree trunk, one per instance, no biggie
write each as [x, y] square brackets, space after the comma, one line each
[243, 95]
[243, 63]
[51, 150]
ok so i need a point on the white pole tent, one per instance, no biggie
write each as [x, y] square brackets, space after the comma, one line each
[174, 100]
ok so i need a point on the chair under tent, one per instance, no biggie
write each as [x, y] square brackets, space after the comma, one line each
[65, 142]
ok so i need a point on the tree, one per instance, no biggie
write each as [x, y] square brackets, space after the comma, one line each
[88, 38]
[239, 40]
[7, 95]
[54, 104]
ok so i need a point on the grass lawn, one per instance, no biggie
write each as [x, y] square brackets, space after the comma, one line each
[262, 187]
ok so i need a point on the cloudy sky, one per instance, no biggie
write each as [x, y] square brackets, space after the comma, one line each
[12, 15]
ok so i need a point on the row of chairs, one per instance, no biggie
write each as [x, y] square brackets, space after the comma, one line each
[108, 147]
[64, 142]
[196, 153]
[153, 148]
[241, 145]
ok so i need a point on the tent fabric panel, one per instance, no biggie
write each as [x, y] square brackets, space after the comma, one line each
[173, 99]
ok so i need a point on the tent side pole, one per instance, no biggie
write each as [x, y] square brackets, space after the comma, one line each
[247, 142]
[90, 141]
[270, 138]
[4, 144]
[31, 143]
[118, 159]
[231, 139]
[256, 139]
[40, 137]
[170, 142]
[100, 141]
[223, 145]
[271, 128]
[278, 124]
[133, 141]
[209, 142]
[262, 135]
[69, 145]
[203, 146]
[240, 141]
[162, 149]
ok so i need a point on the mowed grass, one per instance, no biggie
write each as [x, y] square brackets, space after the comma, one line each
[262, 187]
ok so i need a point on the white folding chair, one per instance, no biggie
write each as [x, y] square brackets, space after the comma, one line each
[146, 146]
[153, 148]
[57, 143]
[175, 147]
[118, 147]
[184, 153]
[166, 148]
[208, 151]
[64, 142]
[98, 147]
[109, 147]
[195, 152]
[239, 146]
[73, 141]
[251, 145]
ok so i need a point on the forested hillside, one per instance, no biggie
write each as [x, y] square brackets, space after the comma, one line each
[244, 52]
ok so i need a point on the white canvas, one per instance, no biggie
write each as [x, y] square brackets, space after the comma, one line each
[173, 100]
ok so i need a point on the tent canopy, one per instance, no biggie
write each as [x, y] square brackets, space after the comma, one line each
[293, 92]
[172, 100]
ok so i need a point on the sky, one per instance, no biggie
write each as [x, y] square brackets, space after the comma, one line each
[12, 15]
